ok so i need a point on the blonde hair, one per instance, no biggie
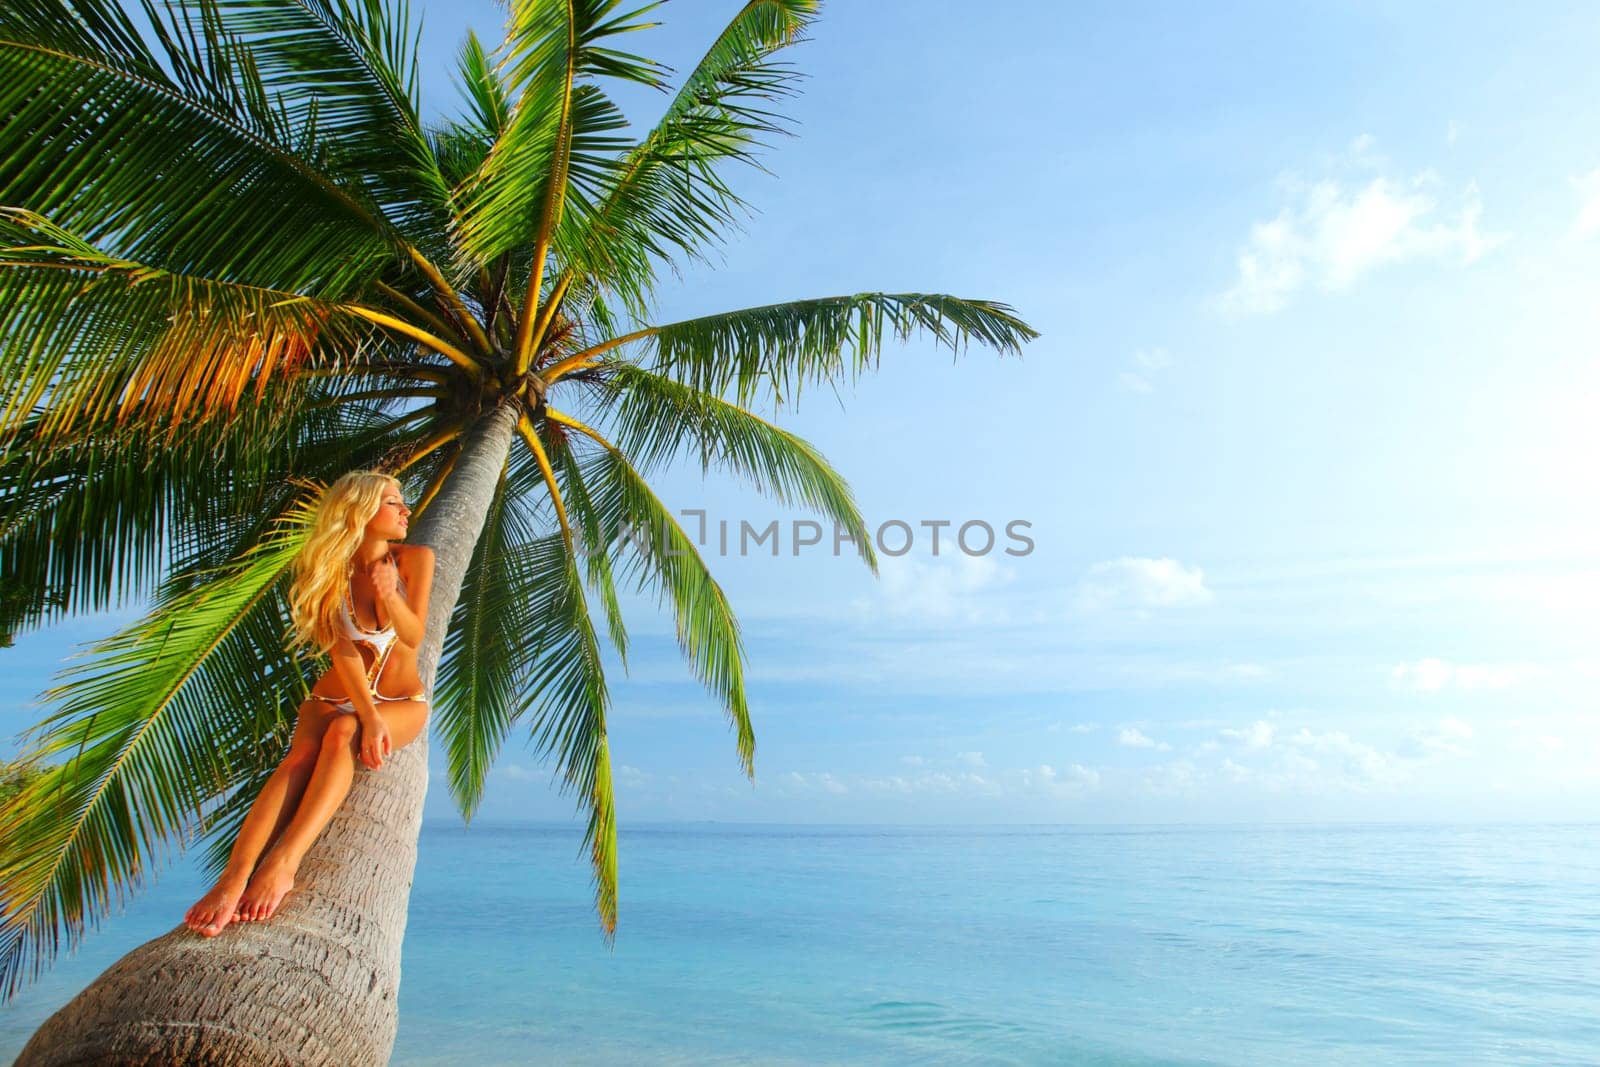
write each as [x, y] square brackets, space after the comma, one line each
[322, 569]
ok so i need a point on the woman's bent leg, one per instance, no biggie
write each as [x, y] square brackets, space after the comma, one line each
[276, 802]
[329, 785]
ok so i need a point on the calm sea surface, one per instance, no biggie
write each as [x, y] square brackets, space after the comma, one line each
[981, 945]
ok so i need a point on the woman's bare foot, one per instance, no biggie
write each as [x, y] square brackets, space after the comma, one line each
[268, 886]
[216, 909]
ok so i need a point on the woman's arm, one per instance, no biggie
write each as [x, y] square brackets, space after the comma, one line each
[350, 669]
[409, 619]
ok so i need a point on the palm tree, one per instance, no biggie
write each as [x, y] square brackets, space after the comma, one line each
[235, 262]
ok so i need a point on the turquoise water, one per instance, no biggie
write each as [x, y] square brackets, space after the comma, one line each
[1020, 945]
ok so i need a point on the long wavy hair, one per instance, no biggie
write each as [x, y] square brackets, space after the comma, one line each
[322, 569]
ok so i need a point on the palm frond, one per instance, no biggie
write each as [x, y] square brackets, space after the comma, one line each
[592, 534]
[488, 98]
[96, 335]
[558, 129]
[650, 547]
[144, 749]
[566, 699]
[183, 164]
[654, 418]
[344, 73]
[483, 664]
[668, 196]
[784, 346]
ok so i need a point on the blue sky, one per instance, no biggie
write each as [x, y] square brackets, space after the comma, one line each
[1305, 447]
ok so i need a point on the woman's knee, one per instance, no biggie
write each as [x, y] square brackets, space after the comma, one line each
[341, 733]
[301, 757]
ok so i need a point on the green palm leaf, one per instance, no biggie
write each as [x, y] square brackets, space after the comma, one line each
[646, 536]
[345, 73]
[145, 748]
[667, 195]
[98, 334]
[483, 665]
[782, 346]
[655, 418]
[558, 129]
[190, 169]
[566, 697]
[593, 532]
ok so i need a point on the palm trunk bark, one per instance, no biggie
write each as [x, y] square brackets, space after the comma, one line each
[318, 983]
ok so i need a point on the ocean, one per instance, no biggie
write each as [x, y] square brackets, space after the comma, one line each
[765, 944]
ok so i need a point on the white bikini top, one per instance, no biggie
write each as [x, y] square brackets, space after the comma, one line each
[380, 641]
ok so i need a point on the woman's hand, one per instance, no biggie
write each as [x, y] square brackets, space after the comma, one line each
[385, 577]
[374, 741]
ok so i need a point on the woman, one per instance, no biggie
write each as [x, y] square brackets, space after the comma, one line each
[363, 600]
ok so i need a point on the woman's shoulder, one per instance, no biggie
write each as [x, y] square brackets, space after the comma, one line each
[412, 559]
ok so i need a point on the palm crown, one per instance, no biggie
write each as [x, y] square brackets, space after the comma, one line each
[236, 262]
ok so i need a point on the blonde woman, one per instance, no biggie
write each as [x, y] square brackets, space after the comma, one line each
[362, 599]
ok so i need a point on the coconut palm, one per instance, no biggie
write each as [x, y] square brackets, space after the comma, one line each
[235, 262]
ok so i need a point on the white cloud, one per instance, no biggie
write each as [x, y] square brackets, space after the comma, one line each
[1332, 232]
[1148, 363]
[1344, 759]
[1257, 735]
[1041, 780]
[1074, 779]
[813, 781]
[950, 587]
[1138, 582]
[971, 759]
[1452, 132]
[912, 761]
[1132, 737]
[1431, 675]
[1447, 737]
[1588, 189]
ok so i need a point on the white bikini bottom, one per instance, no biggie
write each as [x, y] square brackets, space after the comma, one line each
[345, 707]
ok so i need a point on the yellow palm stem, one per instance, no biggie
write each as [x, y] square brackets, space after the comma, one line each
[419, 335]
[440, 326]
[530, 308]
[531, 436]
[568, 420]
[547, 316]
[555, 194]
[588, 354]
[451, 297]
[442, 437]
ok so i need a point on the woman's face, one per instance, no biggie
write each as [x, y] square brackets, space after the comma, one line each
[392, 517]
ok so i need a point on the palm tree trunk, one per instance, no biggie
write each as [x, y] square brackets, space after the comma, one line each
[318, 983]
